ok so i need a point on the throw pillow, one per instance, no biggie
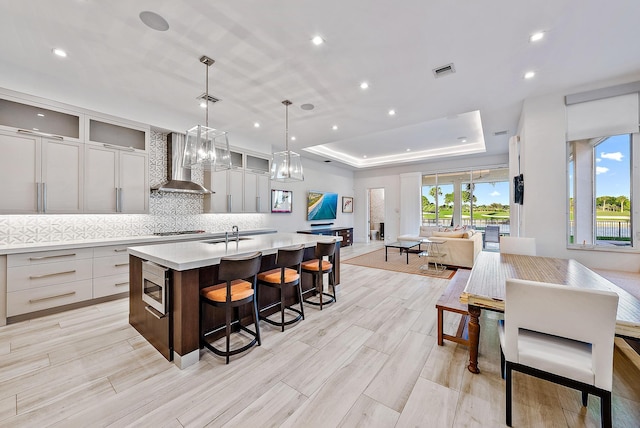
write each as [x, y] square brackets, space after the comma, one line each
[449, 234]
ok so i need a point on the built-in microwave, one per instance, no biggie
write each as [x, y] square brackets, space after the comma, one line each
[155, 287]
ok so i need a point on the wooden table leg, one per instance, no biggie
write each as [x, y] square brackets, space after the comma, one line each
[474, 338]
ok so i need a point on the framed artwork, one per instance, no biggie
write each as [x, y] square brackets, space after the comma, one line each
[281, 201]
[347, 204]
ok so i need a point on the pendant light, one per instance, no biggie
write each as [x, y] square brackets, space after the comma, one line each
[286, 166]
[204, 146]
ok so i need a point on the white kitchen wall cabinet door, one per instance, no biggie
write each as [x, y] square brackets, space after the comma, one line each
[133, 183]
[19, 173]
[216, 181]
[62, 188]
[236, 190]
[101, 181]
[40, 175]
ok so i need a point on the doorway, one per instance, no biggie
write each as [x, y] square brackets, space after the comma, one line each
[376, 214]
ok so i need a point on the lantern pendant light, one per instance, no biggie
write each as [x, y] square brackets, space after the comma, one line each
[205, 146]
[286, 166]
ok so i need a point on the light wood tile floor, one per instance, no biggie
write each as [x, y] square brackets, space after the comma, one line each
[370, 360]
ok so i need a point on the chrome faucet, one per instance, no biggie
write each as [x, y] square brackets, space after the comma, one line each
[236, 232]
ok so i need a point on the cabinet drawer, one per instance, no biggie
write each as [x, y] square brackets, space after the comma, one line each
[108, 285]
[113, 265]
[111, 250]
[26, 277]
[42, 257]
[36, 299]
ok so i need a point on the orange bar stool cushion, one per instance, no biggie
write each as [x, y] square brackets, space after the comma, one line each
[274, 276]
[240, 289]
[313, 265]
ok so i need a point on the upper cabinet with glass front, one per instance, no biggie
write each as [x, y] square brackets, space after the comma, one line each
[36, 119]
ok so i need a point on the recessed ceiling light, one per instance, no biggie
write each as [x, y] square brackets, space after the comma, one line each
[364, 85]
[392, 112]
[317, 40]
[529, 74]
[364, 156]
[535, 37]
[334, 127]
[40, 114]
[203, 104]
[464, 140]
[307, 106]
[59, 52]
[36, 129]
[408, 150]
[154, 21]
[293, 138]
[256, 125]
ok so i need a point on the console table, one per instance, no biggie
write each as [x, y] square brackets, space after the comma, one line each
[345, 232]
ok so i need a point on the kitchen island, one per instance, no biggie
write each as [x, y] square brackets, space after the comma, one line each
[192, 266]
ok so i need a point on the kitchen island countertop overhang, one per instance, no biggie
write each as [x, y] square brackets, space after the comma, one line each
[181, 256]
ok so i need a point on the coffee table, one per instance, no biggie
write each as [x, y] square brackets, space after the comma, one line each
[433, 254]
[403, 245]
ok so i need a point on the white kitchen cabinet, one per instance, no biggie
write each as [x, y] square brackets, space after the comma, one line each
[40, 174]
[47, 279]
[116, 180]
[228, 191]
[256, 192]
[239, 190]
[110, 271]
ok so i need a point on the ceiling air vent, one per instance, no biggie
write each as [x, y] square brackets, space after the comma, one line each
[444, 70]
[208, 98]
[498, 133]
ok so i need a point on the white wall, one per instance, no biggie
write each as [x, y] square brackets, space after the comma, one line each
[319, 176]
[543, 161]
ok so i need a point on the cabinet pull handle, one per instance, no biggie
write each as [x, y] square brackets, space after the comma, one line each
[120, 197]
[120, 284]
[117, 200]
[154, 312]
[121, 264]
[38, 197]
[126, 149]
[120, 250]
[257, 204]
[44, 197]
[228, 203]
[40, 134]
[46, 275]
[51, 257]
[57, 296]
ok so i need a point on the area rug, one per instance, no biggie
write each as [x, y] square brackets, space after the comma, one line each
[398, 262]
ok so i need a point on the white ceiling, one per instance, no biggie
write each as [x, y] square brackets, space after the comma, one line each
[263, 55]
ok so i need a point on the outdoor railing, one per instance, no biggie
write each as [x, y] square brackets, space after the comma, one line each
[610, 229]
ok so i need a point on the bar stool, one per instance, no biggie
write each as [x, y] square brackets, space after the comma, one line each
[286, 274]
[237, 288]
[318, 267]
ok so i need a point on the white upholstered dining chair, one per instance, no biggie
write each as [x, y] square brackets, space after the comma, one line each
[561, 334]
[518, 245]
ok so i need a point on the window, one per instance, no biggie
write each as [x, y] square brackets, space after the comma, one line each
[470, 198]
[601, 192]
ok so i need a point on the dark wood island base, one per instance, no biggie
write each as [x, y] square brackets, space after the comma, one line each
[176, 335]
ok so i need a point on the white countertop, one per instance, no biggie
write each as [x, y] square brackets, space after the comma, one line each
[130, 240]
[191, 255]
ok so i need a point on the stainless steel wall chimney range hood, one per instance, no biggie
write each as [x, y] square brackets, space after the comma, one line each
[179, 180]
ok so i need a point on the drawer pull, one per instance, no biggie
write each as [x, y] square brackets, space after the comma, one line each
[120, 250]
[120, 284]
[121, 264]
[45, 275]
[42, 299]
[51, 257]
[154, 312]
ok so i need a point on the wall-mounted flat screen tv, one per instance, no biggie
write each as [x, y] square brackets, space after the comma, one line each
[322, 206]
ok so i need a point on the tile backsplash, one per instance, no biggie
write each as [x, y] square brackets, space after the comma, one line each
[167, 212]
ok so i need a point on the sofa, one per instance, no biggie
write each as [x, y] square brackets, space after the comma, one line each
[461, 247]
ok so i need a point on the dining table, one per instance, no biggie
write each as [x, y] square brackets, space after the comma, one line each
[485, 289]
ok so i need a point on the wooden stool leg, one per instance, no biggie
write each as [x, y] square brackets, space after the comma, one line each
[256, 319]
[300, 298]
[440, 327]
